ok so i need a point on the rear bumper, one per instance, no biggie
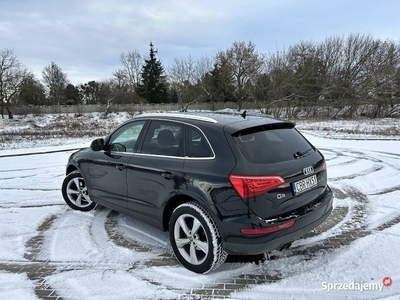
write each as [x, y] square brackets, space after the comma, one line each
[236, 243]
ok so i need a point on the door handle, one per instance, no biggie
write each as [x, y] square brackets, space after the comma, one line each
[167, 175]
[120, 167]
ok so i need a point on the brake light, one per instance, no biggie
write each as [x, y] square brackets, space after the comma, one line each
[254, 231]
[250, 186]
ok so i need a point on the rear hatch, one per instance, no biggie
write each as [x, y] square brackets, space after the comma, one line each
[279, 173]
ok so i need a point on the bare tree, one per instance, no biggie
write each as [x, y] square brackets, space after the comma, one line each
[357, 50]
[202, 69]
[305, 60]
[119, 78]
[331, 51]
[119, 87]
[277, 87]
[56, 82]
[182, 70]
[182, 78]
[244, 64]
[380, 72]
[12, 75]
[339, 77]
[133, 62]
[203, 66]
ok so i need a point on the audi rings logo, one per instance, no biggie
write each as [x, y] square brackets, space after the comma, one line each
[309, 170]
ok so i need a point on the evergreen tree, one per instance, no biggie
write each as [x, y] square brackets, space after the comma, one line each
[222, 85]
[72, 95]
[153, 86]
[31, 92]
[90, 92]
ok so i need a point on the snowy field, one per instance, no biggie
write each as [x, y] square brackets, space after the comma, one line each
[104, 255]
[32, 131]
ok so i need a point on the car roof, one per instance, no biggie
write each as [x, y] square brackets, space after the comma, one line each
[230, 122]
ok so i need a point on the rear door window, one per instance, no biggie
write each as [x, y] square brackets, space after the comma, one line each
[164, 138]
[265, 146]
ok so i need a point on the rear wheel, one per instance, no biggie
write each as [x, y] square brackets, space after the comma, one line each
[195, 238]
[74, 191]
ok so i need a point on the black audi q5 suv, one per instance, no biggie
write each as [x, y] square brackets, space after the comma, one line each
[220, 184]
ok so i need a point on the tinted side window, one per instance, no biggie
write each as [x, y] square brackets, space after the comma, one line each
[271, 146]
[196, 143]
[125, 138]
[164, 138]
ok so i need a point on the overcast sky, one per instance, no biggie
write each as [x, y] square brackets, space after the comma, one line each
[86, 37]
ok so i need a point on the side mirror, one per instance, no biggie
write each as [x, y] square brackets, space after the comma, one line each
[97, 145]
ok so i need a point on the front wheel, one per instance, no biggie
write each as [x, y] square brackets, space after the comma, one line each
[195, 238]
[74, 191]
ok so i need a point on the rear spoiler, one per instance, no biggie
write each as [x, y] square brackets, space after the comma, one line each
[263, 127]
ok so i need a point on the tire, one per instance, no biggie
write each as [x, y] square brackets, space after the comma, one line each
[199, 251]
[74, 191]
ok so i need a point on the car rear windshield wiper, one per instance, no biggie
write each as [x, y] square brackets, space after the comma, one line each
[299, 154]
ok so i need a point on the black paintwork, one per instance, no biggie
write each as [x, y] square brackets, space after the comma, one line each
[149, 187]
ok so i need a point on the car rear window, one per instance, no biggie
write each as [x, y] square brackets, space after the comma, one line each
[263, 146]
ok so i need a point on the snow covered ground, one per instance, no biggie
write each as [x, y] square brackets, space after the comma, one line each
[103, 255]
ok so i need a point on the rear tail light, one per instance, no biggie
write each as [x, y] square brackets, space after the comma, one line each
[250, 186]
[324, 164]
[255, 231]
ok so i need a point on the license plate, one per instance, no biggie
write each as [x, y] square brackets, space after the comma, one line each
[305, 184]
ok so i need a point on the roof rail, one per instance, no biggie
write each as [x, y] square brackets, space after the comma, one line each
[177, 115]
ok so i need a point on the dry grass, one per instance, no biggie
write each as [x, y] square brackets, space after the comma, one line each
[35, 128]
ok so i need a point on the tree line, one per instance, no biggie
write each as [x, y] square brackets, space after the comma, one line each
[340, 76]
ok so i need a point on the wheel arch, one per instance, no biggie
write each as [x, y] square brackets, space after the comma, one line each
[174, 202]
[71, 168]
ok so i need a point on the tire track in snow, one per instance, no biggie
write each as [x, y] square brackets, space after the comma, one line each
[36, 270]
[356, 226]
[363, 173]
[28, 189]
